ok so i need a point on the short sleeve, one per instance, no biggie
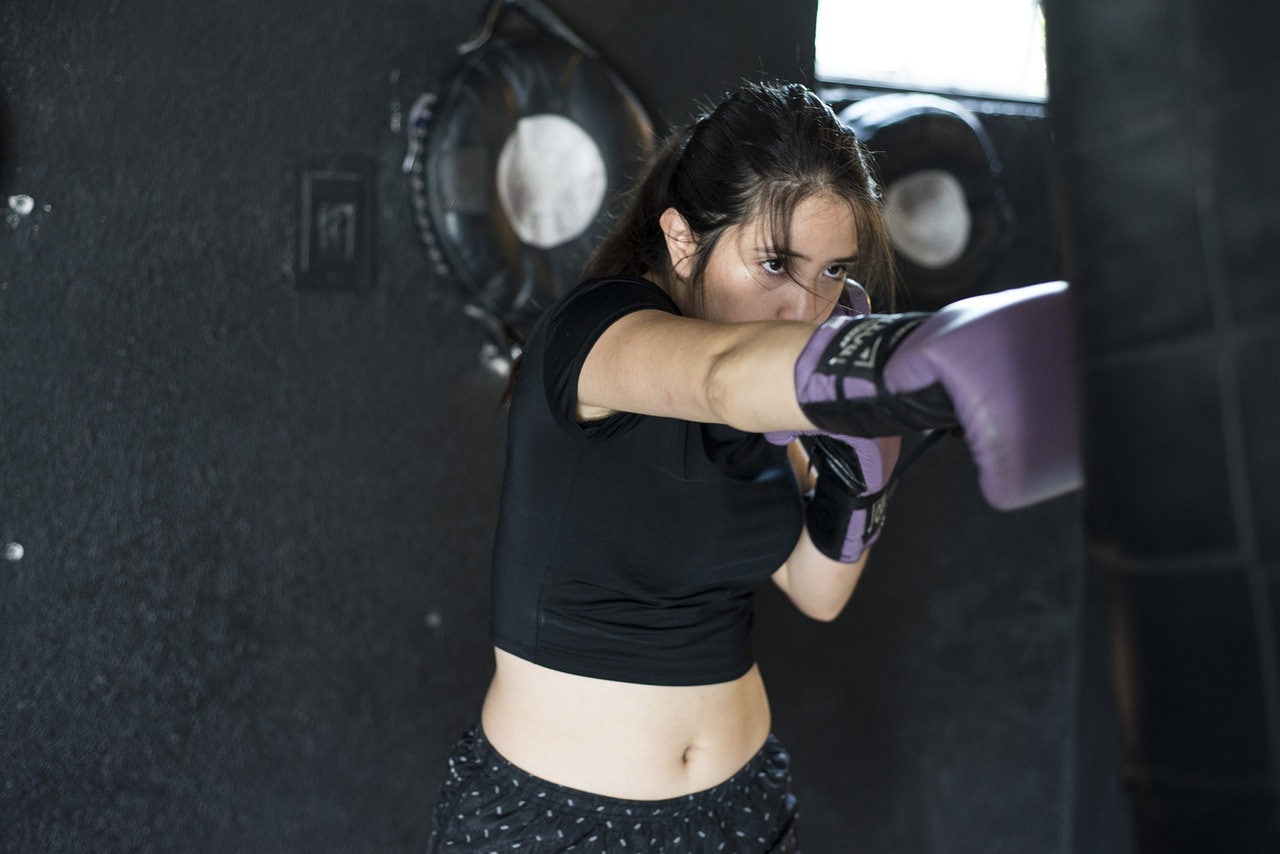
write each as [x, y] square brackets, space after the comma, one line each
[572, 327]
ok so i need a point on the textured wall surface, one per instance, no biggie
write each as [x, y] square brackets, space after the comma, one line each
[255, 521]
[250, 611]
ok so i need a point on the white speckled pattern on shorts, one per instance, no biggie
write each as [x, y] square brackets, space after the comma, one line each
[489, 805]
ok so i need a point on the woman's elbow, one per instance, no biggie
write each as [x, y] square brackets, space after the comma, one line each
[718, 387]
[823, 612]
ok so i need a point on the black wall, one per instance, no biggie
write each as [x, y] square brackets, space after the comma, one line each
[253, 518]
[251, 608]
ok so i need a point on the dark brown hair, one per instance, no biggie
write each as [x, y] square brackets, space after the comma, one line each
[759, 153]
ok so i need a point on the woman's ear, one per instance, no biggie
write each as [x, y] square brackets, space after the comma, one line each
[681, 243]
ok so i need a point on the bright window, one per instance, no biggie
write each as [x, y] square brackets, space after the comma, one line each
[978, 47]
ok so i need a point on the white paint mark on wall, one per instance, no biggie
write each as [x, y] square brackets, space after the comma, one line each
[22, 204]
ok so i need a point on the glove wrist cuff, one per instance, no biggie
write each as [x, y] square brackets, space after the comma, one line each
[842, 526]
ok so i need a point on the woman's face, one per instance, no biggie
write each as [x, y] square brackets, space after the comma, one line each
[748, 279]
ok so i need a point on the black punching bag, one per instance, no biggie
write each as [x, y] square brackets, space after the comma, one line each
[1166, 121]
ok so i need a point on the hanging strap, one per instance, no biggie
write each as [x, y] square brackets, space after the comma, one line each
[536, 12]
[930, 439]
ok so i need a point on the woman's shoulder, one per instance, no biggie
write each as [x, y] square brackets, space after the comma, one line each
[590, 307]
[619, 291]
[569, 328]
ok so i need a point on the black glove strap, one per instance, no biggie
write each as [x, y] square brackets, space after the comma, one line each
[841, 485]
[930, 439]
[840, 493]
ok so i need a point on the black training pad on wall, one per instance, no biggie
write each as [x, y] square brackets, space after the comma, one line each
[911, 132]
[504, 81]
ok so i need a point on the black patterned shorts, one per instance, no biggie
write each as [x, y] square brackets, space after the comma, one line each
[489, 805]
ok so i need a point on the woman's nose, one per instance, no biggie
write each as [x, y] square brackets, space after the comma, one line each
[801, 303]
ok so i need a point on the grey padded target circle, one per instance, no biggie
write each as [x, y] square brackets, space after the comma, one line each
[927, 218]
[551, 180]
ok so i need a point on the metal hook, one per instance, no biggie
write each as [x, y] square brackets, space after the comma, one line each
[501, 351]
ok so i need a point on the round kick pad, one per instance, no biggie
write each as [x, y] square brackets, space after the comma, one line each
[945, 209]
[929, 219]
[529, 144]
[551, 180]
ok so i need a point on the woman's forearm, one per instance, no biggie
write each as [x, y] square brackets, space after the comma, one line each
[817, 585]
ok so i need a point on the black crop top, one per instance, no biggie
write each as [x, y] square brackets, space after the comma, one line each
[629, 548]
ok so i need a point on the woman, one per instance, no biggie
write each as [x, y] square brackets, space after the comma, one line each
[642, 505]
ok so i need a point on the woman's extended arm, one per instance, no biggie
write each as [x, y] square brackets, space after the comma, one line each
[655, 363]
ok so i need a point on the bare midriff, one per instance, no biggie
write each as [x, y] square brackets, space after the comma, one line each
[621, 739]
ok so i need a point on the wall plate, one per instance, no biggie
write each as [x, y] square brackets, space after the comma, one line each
[336, 215]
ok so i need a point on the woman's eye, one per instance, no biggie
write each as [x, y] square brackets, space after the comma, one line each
[775, 266]
[838, 271]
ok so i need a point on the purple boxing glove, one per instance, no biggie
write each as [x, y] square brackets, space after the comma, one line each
[997, 366]
[846, 511]
[854, 302]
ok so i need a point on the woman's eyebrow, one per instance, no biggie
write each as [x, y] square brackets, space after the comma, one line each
[790, 253]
